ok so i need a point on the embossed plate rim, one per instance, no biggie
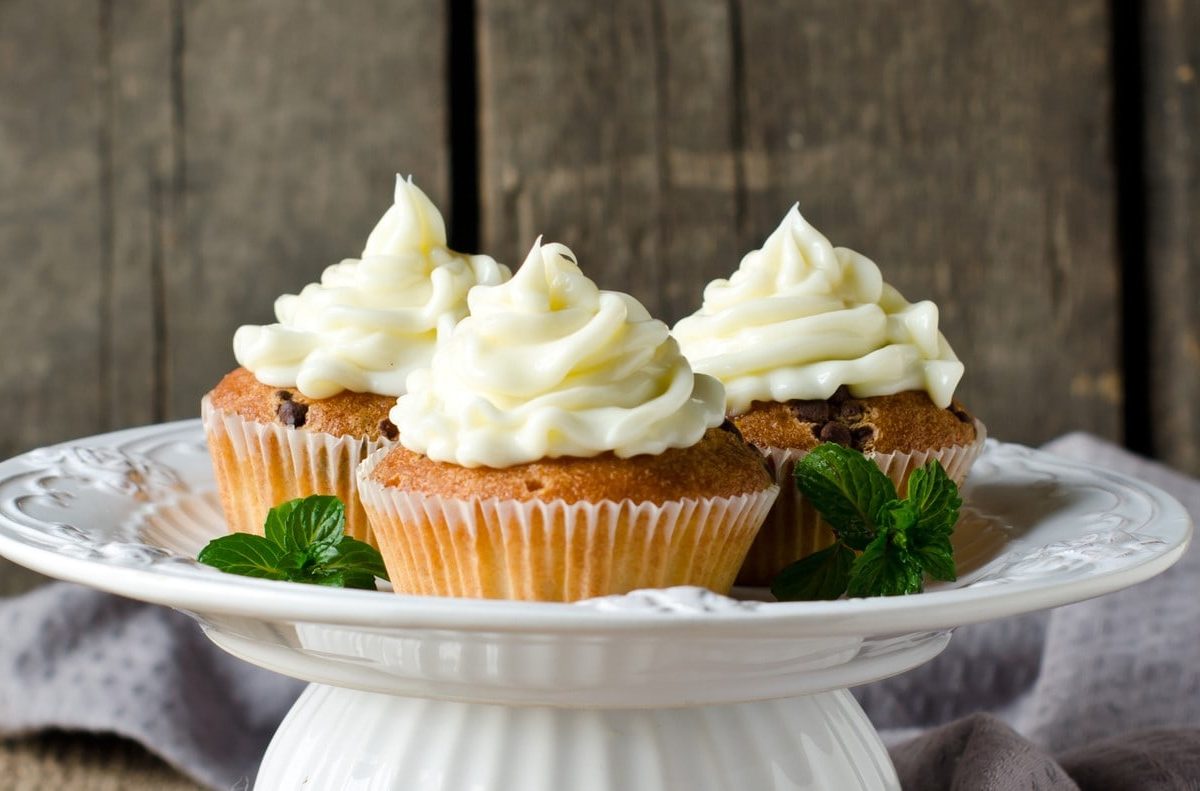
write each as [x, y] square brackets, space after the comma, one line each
[188, 587]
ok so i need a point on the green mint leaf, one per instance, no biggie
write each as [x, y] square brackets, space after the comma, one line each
[355, 555]
[245, 554]
[307, 523]
[304, 541]
[885, 568]
[935, 498]
[847, 489]
[346, 579]
[359, 580]
[897, 518]
[275, 528]
[822, 575]
[936, 555]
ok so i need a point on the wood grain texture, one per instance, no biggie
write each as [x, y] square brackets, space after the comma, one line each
[139, 181]
[292, 121]
[1172, 211]
[51, 237]
[966, 150]
[607, 129]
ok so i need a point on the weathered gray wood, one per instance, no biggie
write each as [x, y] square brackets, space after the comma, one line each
[292, 124]
[51, 238]
[604, 128]
[50, 223]
[1172, 153]
[967, 150]
[141, 150]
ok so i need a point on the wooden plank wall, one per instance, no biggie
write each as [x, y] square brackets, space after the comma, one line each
[1171, 212]
[168, 167]
[968, 151]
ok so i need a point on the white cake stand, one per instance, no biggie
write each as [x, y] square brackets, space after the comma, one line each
[654, 690]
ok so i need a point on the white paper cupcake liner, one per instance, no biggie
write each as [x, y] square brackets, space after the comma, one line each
[260, 465]
[557, 551]
[794, 529]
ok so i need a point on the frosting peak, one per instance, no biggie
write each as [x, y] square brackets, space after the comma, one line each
[800, 317]
[549, 365]
[411, 224]
[370, 321]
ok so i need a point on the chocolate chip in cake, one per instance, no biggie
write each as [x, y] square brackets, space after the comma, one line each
[388, 429]
[840, 395]
[283, 395]
[961, 414]
[851, 410]
[810, 411]
[732, 428]
[835, 432]
[292, 413]
[861, 436]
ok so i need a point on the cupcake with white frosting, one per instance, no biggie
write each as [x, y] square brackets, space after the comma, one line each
[312, 394]
[560, 447]
[813, 346]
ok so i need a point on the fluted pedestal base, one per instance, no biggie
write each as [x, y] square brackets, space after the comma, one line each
[338, 738]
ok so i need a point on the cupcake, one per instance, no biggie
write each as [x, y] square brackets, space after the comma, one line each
[312, 394]
[560, 447]
[812, 346]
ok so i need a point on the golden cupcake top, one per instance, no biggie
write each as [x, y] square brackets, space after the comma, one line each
[906, 422]
[345, 414]
[548, 365]
[801, 318]
[372, 320]
[719, 465]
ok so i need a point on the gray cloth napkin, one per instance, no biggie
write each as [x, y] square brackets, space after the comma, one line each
[1076, 682]
[1099, 695]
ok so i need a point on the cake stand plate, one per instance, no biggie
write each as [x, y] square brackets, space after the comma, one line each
[654, 690]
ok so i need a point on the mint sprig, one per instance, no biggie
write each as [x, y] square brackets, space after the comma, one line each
[304, 541]
[886, 545]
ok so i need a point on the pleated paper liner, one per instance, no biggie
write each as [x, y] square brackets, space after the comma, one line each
[260, 465]
[794, 529]
[557, 551]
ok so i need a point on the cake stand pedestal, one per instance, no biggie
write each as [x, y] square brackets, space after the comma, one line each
[677, 689]
[341, 738]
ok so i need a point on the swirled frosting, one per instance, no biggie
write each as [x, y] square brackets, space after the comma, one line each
[370, 321]
[800, 317]
[548, 365]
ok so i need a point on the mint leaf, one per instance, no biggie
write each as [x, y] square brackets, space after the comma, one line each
[898, 518]
[306, 522]
[304, 541]
[822, 575]
[935, 554]
[353, 554]
[935, 496]
[319, 519]
[900, 540]
[937, 502]
[347, 579]
[275, 528]
[244, 554]
[885, 568]
[847, 489]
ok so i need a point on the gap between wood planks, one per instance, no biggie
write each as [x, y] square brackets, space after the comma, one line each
[1129, 154]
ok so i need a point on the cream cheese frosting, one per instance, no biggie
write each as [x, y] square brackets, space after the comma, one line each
[370, 321]
[548, 365]
[799, 318]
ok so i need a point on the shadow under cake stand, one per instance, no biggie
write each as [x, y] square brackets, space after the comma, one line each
[655, 690]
